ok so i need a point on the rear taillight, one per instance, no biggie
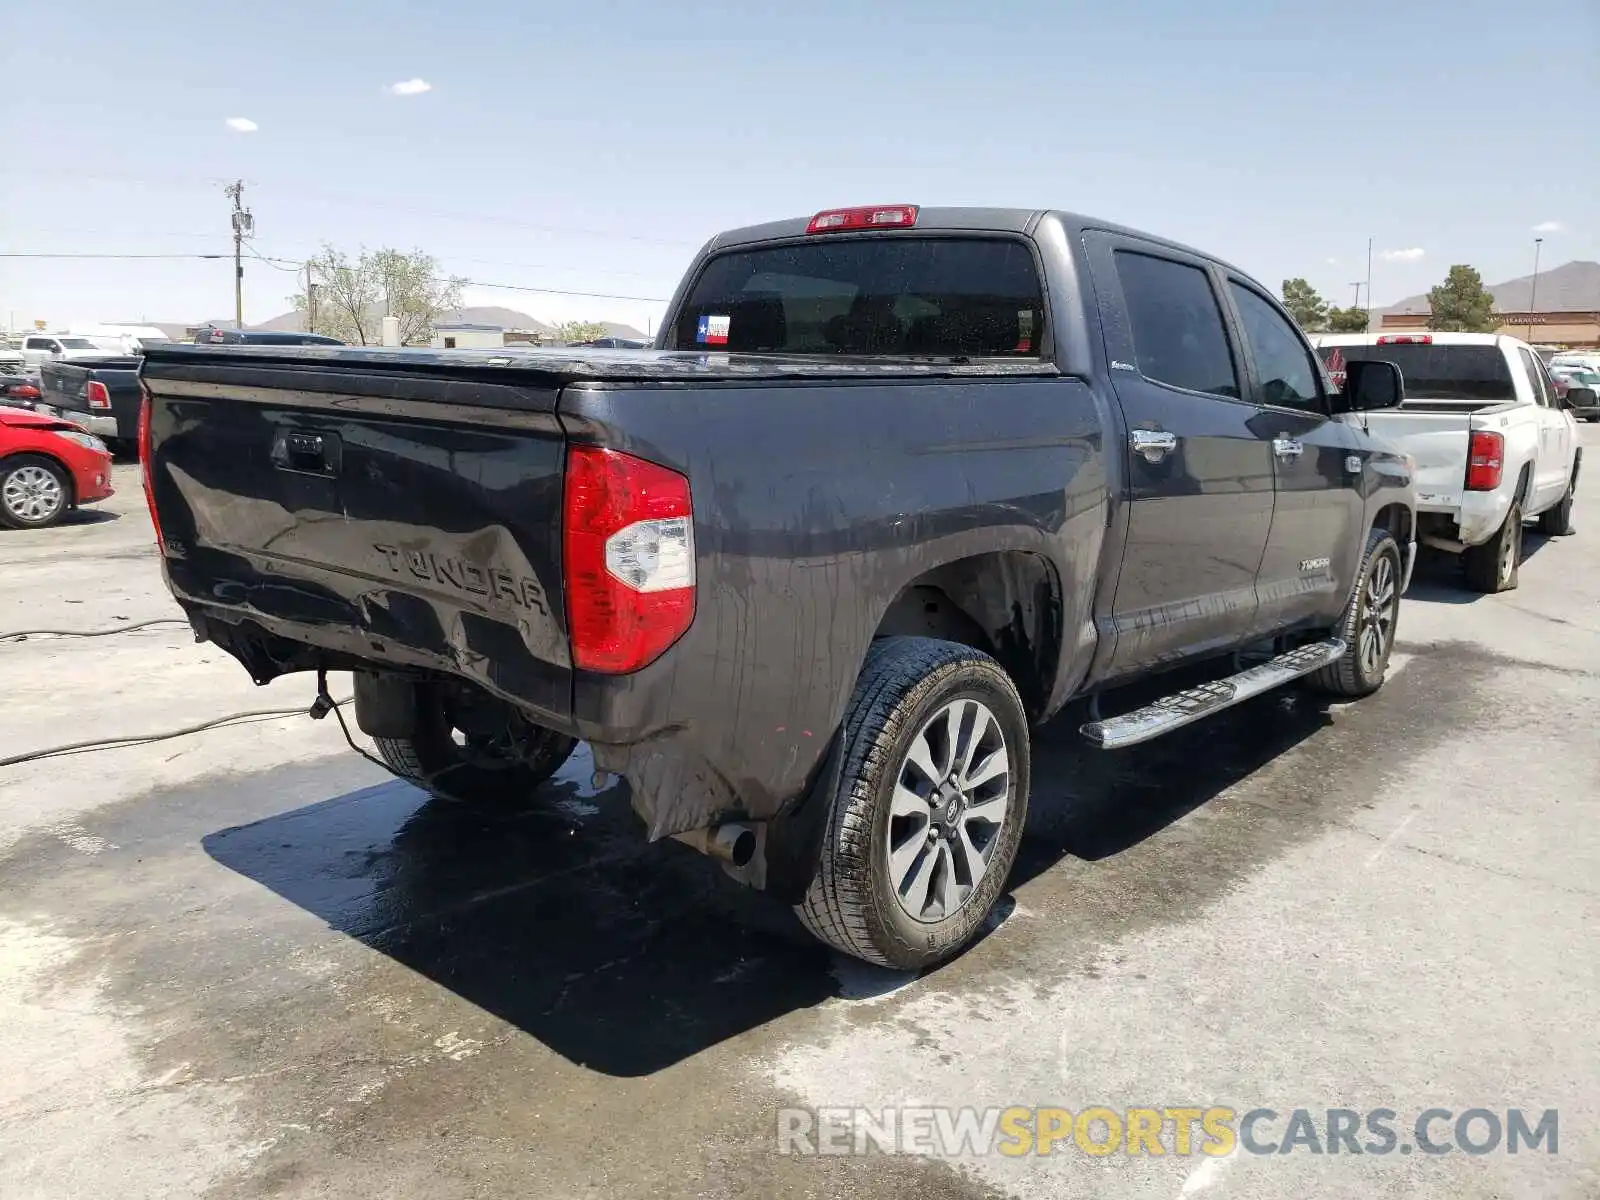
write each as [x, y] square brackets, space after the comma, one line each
[882, 216]
[628, 556]
[1486, 454]
[97, 394]
[145, 468]
[1406, 339]
[24, 391]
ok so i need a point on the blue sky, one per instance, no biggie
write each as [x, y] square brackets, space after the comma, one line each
[591, 148]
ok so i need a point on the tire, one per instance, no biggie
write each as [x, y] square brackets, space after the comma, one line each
[1556, 521]
[1370, 619]
[901, 707]
[1492, 567]
[35, 492]
[499, 772]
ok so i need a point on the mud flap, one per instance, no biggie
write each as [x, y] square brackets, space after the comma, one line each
[386, 705]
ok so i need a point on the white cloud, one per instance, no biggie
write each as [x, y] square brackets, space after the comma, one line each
[1413, 254]
[409, 87]
[1548, 227]
[1333, 262]
[242, 125]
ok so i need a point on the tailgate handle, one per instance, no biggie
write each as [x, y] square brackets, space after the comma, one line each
[300, 450]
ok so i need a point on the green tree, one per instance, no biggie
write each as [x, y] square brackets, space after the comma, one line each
[1347, 320]
[1461, 304]
[1309, 310]
[354, 295]
[570, 332]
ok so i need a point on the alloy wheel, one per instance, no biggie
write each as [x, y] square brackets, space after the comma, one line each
[950, 802]
[33, 494]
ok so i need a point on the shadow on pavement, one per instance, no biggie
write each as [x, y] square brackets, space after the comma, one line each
[628, 958]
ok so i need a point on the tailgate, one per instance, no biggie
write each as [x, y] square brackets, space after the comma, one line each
[1437, 441]
[403, 516]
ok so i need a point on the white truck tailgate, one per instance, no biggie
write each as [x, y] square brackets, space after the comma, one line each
[1438, 443]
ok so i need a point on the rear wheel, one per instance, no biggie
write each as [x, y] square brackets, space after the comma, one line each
[924, 826]
[1369, 622]
[471, 751]
[34, 492]
[1556, 521]
[1492, 567]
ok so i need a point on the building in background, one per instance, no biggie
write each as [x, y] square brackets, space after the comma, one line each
[464, 335]
[1564, 311]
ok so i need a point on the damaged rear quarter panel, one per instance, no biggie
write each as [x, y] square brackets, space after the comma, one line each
[815, 505]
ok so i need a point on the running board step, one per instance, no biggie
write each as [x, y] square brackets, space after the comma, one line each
[1185, 707]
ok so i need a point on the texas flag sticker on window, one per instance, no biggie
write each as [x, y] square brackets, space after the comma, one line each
[713, 331]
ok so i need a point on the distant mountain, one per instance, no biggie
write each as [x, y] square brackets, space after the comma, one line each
[1573, 287]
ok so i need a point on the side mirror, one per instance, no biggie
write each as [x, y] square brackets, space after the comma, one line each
[1372, 383]
[1580, 397]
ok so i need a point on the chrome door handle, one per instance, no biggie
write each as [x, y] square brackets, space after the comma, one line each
[1154, 444]
[1286, 447]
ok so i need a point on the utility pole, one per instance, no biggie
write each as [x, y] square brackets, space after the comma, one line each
[1369, 285]
[311, 301]
[244, 225]
[1533, 291]
[1356, 303]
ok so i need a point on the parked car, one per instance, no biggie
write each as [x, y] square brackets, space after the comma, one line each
[38, 349]
[100, 394]
[48, 467]
[615, 343]
[899, 484]
[11, 360]
[1587, 359]
[213, 336]
[1580, 385]
[19, 391]
[124, 339]
[1493, 443]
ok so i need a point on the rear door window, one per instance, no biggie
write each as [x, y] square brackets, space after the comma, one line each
[933, 297]
[1542, 395]
[1178, 334]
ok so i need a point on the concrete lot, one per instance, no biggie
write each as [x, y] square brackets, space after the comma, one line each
[247, 963]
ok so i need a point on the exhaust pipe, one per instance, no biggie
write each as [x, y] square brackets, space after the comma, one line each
[733, 843]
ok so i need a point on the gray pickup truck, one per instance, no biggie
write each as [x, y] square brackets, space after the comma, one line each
[894, 486]
[101, 394]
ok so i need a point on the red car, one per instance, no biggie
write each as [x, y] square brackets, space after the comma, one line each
[47, 468]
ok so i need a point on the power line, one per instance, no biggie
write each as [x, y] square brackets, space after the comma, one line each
[36, 254]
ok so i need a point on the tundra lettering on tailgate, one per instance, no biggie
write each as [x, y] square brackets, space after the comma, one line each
[488, 582]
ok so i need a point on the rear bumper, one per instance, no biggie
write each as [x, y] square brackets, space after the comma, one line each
[1480, 516]
[102, 426]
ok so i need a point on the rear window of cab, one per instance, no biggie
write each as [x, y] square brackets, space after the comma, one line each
[902, 296]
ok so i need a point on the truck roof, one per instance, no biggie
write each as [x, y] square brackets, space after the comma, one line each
[1437, 339]
[955, 220]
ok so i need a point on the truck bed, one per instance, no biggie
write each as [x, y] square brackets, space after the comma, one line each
[1436, 432]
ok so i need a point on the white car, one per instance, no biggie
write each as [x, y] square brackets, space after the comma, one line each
[37, 348]
[1493, 444]
[1588, 360]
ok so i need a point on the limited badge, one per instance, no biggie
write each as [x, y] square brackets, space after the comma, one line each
[713, 330]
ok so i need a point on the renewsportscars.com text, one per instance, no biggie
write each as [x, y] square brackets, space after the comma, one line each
[1180, 1131]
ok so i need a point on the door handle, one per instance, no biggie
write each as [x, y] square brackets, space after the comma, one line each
[1154, 444]
[1287, 447]
[307, 452]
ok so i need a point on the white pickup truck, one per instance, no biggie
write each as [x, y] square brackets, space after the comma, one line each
[1493, 444]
